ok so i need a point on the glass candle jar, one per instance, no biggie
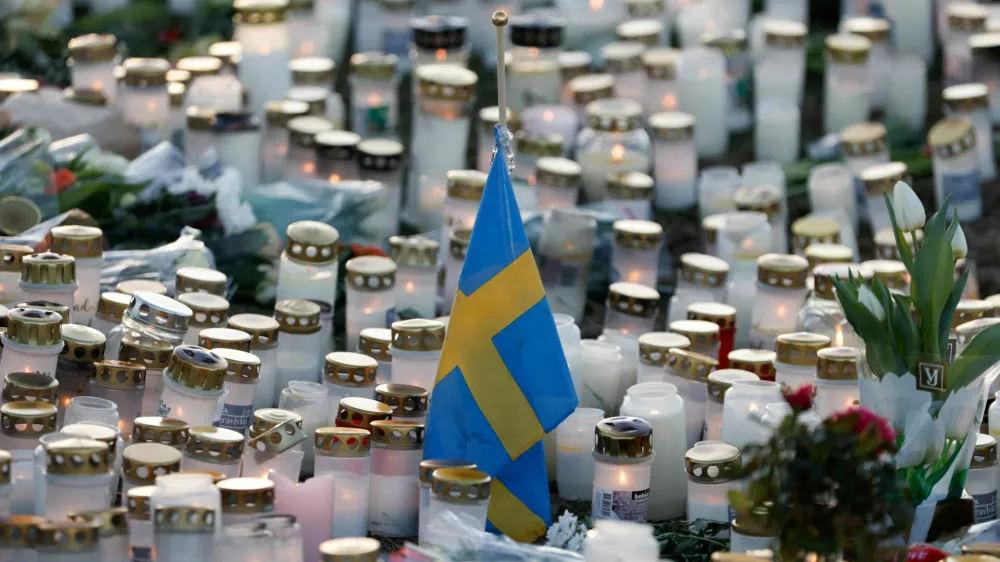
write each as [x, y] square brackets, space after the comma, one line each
[140, 527]
[184, 532]
[336, 156]
[557, 182]
[417, 276]
[566, 248]
[713, 470]
[275, 443]
[416, 350]
[192, 385]
[464, 492]
[550, 121]
[660, 406]
[439, 39]
[264, 332]
[145, 99]
[635, 253]
[971, 101]
[308, 266]
[631, 308]
[144, 462]
[781, 292]
[733, 45]
[848, 84]
[779, 71]
[534, 76]
[245, 499]
[836, 380]
[822, 313]
[676, 160]
[465, 189]
[82, 346]
[309, 401]
[213, 449]
[623, 463]
[374, 94]
[574, 453]
[767, 199]
[654, 348]
[703, 335]
[149, 318]
[31, 343]
[123, 383]
[596, 375]
[688, 371]
[49, 277]
[878, 181]
[208, 311]
[381, 160]
[264, 40]
[93, 58]
[702, 278]
[300, 162]
[348, 374]
[964, 19]
[77, 477]
[275, 141]
[630, 195]
[956, 166]
[91, 409]
[719, 382]
[298, 357]
[85, 245]
[374, 342]
[716, 187]
[397, 449]
[11, 256]
[703, 93]
[981, 481]
[588, 88]
[345, 453]
[795, 362]
[154, 356]
[371, 299]
[613, 141]
[242, 376]
[76, 541]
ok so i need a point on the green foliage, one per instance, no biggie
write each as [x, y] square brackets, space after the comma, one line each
[690, 541]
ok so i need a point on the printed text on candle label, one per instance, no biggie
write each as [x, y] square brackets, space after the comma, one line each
[986, 506]
[235, 417]
[963, 188]
[627, 505]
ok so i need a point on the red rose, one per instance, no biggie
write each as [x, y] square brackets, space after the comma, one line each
[799, 399]
[867, 421]
[59, 181]
[925, 553]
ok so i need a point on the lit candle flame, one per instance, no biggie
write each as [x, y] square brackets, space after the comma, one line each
[617, 153]
[838, 339]
[334, 178]
[309, 167]
[781, 311]
[97, 85]
[669, 101]
[596, 5]
[308, 48]
[633, 276]
[374, 99]
[622, 477]
[151, 105]
[410, 287]
[441, 55]
[282, 149]
[548, 115]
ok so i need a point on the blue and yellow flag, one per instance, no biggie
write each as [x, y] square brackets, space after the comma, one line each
[502, 382]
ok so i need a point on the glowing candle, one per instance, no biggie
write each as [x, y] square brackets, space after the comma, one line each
[371, 301]
[614, 141]
[397, 449]
[417, 275]
[93, 69]
[743, 400]
[374, 96]
[781, 292]
[345, 454]
[795, 363]
[264, 41]
[622, 473]
[712, 470]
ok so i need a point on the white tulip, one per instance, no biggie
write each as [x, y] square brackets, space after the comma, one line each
[868, 299]
[909, 210]
[959, 245]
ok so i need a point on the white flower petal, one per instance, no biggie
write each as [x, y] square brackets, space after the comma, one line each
[910, 214]
[959, 245]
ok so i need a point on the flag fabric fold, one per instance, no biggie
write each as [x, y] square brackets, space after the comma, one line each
[502, 381]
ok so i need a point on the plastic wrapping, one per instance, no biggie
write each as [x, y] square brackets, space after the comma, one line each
[158, 264]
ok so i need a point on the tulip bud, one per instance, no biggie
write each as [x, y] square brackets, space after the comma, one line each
[908, 209]
[959, 245]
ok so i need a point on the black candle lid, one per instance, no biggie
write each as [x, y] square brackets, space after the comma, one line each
[439, 32]
[235, 121]
[537, 30]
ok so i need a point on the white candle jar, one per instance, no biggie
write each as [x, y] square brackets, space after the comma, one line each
[458, 245]
[317, 73]
[70, 541]
[144, 98]
[781, 292]
[613, 141]
[110, 308]
[688, 371]
[719, 382]
[660, 406]
[703, 335]
[574, 453]
[15, 537]
[777, 133]
[795, 362]
[571, 65]
[465, 189]
[636, 251]
[557, 182]
[972, 101]
[149, 318]
[610, 539]
[381, 160]
[337, 156]
[534, 76]
[877, 30]
[661, 85]
[743, 237]
[123, 383]
[274, 443]
[780, 70]
[345, 453]
[299, 354]
[416, 350]
[848, 83]
[49, 277]
[374, 94]
[597, 374]
[552, 121]
[77, 477]
[417, 276]
[237, 141]
[464, 492]
[985, 70]
[245, 499]
[713, 470]
[820, 254]
[183, 533]
[965, 19]
[879, 180]
[439, 39]
[631, 308]
[811, 230]
[676, 160]
[864, 144]
[140, 526]
[11, 256]
[703, 93]
[956, 166]
[264, 40]
[308, 35]
[31, 343]
[208, 311]
[981, 480]
[374, 342]
[85, 245]
[192, 385]
[836, 380]
[214, 449]
[274, 146]
[300, 162]
[208, 88]
[822, 313]
[313, 96]
[397, 449]
[717, 186]
[630, 195]
[145, 462]
[154, 356]
[831, 186]
[92, 64]
[263, 331]
[371, 301]
[308, 265]
[489, 118]
[654, 348]
[623, 464]
[623, 61]
[309, 401]
[347, 374]
[767, 199]
[733, 45]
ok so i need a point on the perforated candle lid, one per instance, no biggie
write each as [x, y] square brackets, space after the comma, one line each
[837, 364]
[345, 368]
[892, 273]
[19, 531]
[654, 346]
[92, 47]
[143, 462]
[337, 145]
[800, 348]
[625, 55]
[342, 442]
[633, 299]
[279, 112]
[615, 115]
[370, 273]
[242, 367]
[690, 365]
[302, 130]
[713, 462]
[458, 243]
[132, 286]
[68, 536]
[467, 185]
[215, 444]
[138, 502]
[11, 256]
[196, 368]
[263, 330]
[429, 466]
[98, 431]
[297, 316]
[446, 82]
[200, 280]
[556, 171]
[77, 456]
[722, 380]
[224, 338]
[623, 437]
[863, 138]
[165, 431]
[154, 355]
[229, 52]
[631, 186]
[48, 268]
[968, 310]
[589, 88]
[199, 65]
[574, 63]
[661, 63]
[145, 72]
[112, 520]
[81, 344]
[350, 549]
[819, 254]
[823, 276]
[11, 86]
[460, 485]
[882, 178]
[703, 270]
[30, 387]
[418, 334]
[208, 310]
[31, 326]
[253, 12]
[266, 419]
[966, 17]
[77, 241]
[397, 434]
[782, 271]
[247, 495]
[380, 155]
[784, 33]
[375, 342]
[722, 315]
[876, 30]
[952, 136]
[413, 251]
[159, 311]
[123, 375]
[672, 125]
[373, 65]
[184, 519]
[646, 31]
[761, 198]
[757, 361]
[637, 234]
[699, 332]
[313, 70]
[406, 400]
[361, 412]
[810, 230]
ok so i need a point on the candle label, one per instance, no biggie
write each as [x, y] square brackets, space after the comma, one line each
[397, 41]
[372, 119]
[559, 272]
[963, 187]
[142, 554]
[390, 317]
[986, 506]
[162, 409]
[621, 505]
[235, 417]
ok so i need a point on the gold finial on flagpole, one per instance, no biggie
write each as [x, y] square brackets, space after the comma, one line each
[500, 21]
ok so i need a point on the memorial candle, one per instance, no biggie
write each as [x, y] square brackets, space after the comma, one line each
[397, 449]
[965, 19]
[93, 64]
[192, 385]
[913, 28]
[574, 453]
[300, 161]
[781, 292]
[713, 470]
[623, 61]
[810, 230]
[31, 343]
[956, 166]
[374, 95]
[416, 350]
[779, 71]
[644, 30]
[768, 199]
[417, 275]
[571, 65]
[613, 141]
[11, 256]
[688, 371]
[972, 101]
[264, 41]
[557, 182]
[465, 189]
[336, 156]
[795, 363]
[242, 376]
[676, 160]
[534, 76]
[566, 248]
[733, 45]
[744, 400]
[880, 180]
[777, 132]
[635, 252]
[78, 541]
[719, 382]
[985, 48]
[623, 455]
[660, 406]
[214, 449]
[703, 94]
[464, 492]
[908, 92]
[144, 98]
[596, 375]
[551, 120]
[371, 299]
[660, 65]
[345, 453]
[264, 332]
[308, 265]
[630, 195]
[281, 452]
[836, 380]
[723, 316]
[51, 277]
[382, 160]
[588, 88]
[299, 356]
[863, 144]
[848, 84]
[877, 30]
[374, 342]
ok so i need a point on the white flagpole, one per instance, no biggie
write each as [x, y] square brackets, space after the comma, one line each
[500, 21]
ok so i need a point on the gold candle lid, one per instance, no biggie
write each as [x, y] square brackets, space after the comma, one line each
[966, 97]
[722, 380]
[196, 368]
[883, 178]
[489, 117]
[337, 145]
[971, 309]
[361, 412]
[297, 316]
[418, 334]
[266, 419]
[32, 326]
[132, 286]
[6, 459]
[784, 33]
[460, 485]
[208, 310]
[633, 299]
[11, 86]
[458, 244]
[757, 361]
[654, 346]
[77, 241]
[279, 112]
[373, 65]
[699, 332]
[48, 306]
[630, 186]
[215, 444]
[263, 330]
[467, 185]
[837, 364]
[342, 442]
[371, 273]
[123, 375]
[154, 355]
[538, 144]
[800, 348]
[350, 549]
[48, 268]
[242, 367]
[672, 125]
[810, 230]
[573, 64]
[200, 280]
[646, 31]
[247, 495]
[138, 502]
[77, 456]
[313, 71]
[27, 419]
[345, 368]
[704, 270]
[876, 30]
[30, 387]
[820, 254]
[302, 130]
[413, 251]
[12, 255]
[184, 519]
[446, 82]
[848, 49]
[229, 52]
[428, 467]
[145, 73]
[143, 462]
[20, 531]
[823, 276]
[620, 57]
[374, 342]
[614, 115]
[661, 63]
[112, 520]
[731, 43]
[256, 12]
[783, 271]
[623, 437]
[762, 198]
[85, 97]
[722, 315]
[81, 344]
[863, 138]
[644, 8]
[589, 88]
[966, 17]
[175, 76]
[398, 434]
[690, 365]
[200, 65]
[985, 453]
[637, 234]
[713, 463]
[68, 536]
[224, 338]
[311, 242]
[885, 243]
[107, 434]
[93, 47]
[165, 431]
[558, 172]
[892, 273]
[406, 400]
[951, 137]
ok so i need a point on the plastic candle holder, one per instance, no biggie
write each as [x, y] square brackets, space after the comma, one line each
[587, 88]
[416, 350]
[820, 254]
[85, 245]
[623, 61]
[299, 358]
[702, 335]
[209, 311]
[779, 71]
[571, 65]
[551, 121]
[465, 190]
[712, 470]
[688, 372]
[981, 482]
[956, 166]
[733, 46]
[676, 162]
[704, 94]
[98, 431]
[29, 386]
[426, 472]
[864, 145]
[311, 403]
[597, 374]
[439, 39]
[144, 98]
[743, 400]
[836, 380]
[213, 449]
[458, 245]
[348, 374]
[122, 383]
[623, 462]
[767, 199]
[984, 67]
[417, 276]
[360, 412]
[114, 530]
[264, 40]
[529, 147]
[635, 254]
[300, 161]
[612, 141]
[144, 462]
[374, 94]
[877, 180]
[795, 362]
[264, 332]
[374, 342]
[963, 20]
[781, 292]
[630, 194]
[381, 160]
[534, 76]
[654, 348]
[274, 145]
[660, 406]
[716, 187]
[82, 346]
[335, 548]
[611, 538]
[140, 526]
[892, 273]
[397, 449]
[192, 385]
[166, 431]
[49, 277]
[283, 454]
[345, 453]
[93, 64]
[371, 299]
[32, 342]
[68, 540]
[200, 280]
[812, 229]
[557, 182]
[464, 492]
[631, 308]
[337, 156]
[245, 499]
[718, 383]
[77, 477]
[848, 86]
[702, 279]
[661, 86]
[184, 532]
[408, 402]
[154, 356]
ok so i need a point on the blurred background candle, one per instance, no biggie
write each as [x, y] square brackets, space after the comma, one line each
[623, 61]
[836, 380]
[956, 166]
[795, 362]
[661, 94]
[31, 341]
[985, 48]
[574, 453]
[913, 27]
[264, 332]
[300, 161]
[613, 141]
[879, 180]
[972, 101]
[964, 20]
[592, 24]
[551, 120]
[863, 144]
[416, 277]
[647, 31]
[264, 41]
[92, 67]
[529, 148]
[85, 245]
[242, 376]
[348, 374]
[565, 251]
[831, 189]
[397, 449]
[631, 308]
[337, 156]
[704, 94]
[630, 195]
[439, 39]
[848, 84]
[810, 230]
[781, 291]
[703, 335]
[733, 45]
[654, 348]
[571, 65]
[776, 132]
[534, 76]
[320, 71]
[306, 33]
[458, 245]
[713, 470]
[676, 159]
[744, 400]
[596, 375]
[724, 317]
[716, 187]
[660, 406]
[462, 491]
[214, 449]
[718, 384]
[11, 256]
[623, 463]
[309, 401]
[274, 146]
[688, 371]
[779, 71]
[588, 88]
[370, 287]
[907, 101]
[765, 198]
[381, 160]
[557, 182]
[374, 94]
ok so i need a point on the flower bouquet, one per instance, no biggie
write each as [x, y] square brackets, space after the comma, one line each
[912, 376]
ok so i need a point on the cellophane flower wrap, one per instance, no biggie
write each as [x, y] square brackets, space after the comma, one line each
[911, 376]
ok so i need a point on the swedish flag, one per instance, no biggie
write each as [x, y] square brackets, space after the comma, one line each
[502, 382]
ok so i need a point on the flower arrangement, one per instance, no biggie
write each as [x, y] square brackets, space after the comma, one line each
[933, 397]
[826, 489]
